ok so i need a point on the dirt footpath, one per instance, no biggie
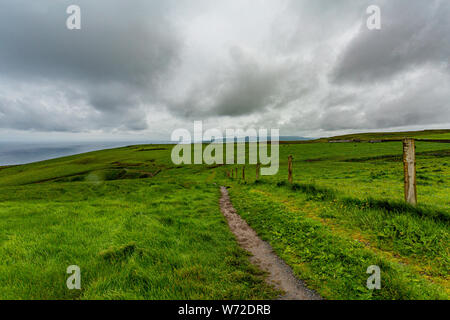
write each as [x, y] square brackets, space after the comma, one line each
[280, 274]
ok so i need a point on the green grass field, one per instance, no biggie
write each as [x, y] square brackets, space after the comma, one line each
[425, 134]
[140, 227]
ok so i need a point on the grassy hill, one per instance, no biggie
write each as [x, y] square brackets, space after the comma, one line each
[425, 134]
[140, 227]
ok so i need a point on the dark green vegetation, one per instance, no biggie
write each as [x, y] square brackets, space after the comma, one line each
[140, 227]
[136, 226]
[345, 212]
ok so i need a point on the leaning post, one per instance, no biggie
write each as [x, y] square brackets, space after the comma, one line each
[409, 168]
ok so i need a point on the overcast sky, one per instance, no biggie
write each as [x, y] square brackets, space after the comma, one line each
[144, 68]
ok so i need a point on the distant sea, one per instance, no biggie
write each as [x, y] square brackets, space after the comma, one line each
[12, 153]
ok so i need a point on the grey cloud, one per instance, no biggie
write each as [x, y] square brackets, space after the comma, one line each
[413, 34]
[112, 45]
[30, 115]
[423, 104]
[148, 65]
[244, 87]
[115, 63]
[246, 90]
[419, 100]
[61, 109]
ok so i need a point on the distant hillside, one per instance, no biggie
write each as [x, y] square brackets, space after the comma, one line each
[442, 134]
[281, 138]
[425, 134]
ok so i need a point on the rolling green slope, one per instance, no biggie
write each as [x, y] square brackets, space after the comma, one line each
[426, 134]
[140, 227]
[345, 212]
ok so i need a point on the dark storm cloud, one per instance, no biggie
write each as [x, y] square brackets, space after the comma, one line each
[113, 45]
[413, 33]
[419, 99]
[243, 87]
[302, 65]
[114, 63]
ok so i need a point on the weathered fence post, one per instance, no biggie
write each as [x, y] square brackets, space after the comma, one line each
[409, 167]
[243, 173]
[291, 180]
[236, 172]
[258, 170]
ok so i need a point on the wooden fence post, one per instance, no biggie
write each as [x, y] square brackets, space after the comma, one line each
[258, 170]
[236, 172]
[291, 180]
[243, 173]
[409, 167]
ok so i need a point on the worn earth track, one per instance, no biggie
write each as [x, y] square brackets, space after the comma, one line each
[280, 275]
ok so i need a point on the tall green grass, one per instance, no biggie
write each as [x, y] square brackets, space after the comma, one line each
[140, 227]
[133, 236]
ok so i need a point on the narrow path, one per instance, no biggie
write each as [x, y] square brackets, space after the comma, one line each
[280, 275]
